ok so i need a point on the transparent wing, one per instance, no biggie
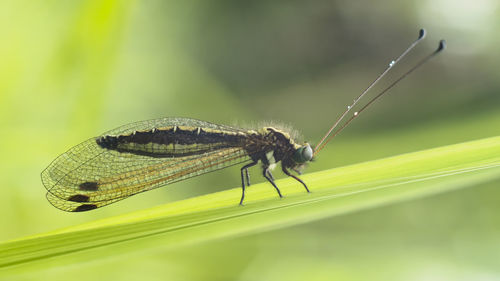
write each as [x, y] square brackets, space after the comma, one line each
[87, 176]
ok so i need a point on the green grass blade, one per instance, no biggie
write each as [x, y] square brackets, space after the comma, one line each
[218, 215]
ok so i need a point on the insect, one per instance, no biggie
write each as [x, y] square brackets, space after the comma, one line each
[145, 155]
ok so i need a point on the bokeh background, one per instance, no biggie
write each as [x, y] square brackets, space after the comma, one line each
[70, 70]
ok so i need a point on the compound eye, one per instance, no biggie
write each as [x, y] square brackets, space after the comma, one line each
[303, 154]
[307, 153]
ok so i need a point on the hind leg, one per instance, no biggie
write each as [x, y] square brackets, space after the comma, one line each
[245, 174]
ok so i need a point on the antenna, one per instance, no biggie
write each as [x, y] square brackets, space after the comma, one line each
[328, 136]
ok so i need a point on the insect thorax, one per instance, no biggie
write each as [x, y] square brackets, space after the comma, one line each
[271, 145]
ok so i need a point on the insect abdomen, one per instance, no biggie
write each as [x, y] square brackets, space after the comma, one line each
[175, 141]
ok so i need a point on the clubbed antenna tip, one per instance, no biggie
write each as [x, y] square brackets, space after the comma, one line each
[442, 46]
[421, 34]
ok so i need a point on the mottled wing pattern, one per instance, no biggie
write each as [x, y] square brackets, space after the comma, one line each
[88, 176]
[71, 206]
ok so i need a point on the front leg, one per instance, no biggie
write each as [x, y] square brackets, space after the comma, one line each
[295, 177]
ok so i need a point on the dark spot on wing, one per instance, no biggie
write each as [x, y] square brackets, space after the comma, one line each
[85, 207]
[79, 198]
[89, 186]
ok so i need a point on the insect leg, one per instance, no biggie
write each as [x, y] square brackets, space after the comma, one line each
[247, 175]
[244, 171]
[295, 177]
[267, 174]
[270, 175]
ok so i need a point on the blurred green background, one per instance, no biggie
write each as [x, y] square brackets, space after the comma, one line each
[70, 70]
